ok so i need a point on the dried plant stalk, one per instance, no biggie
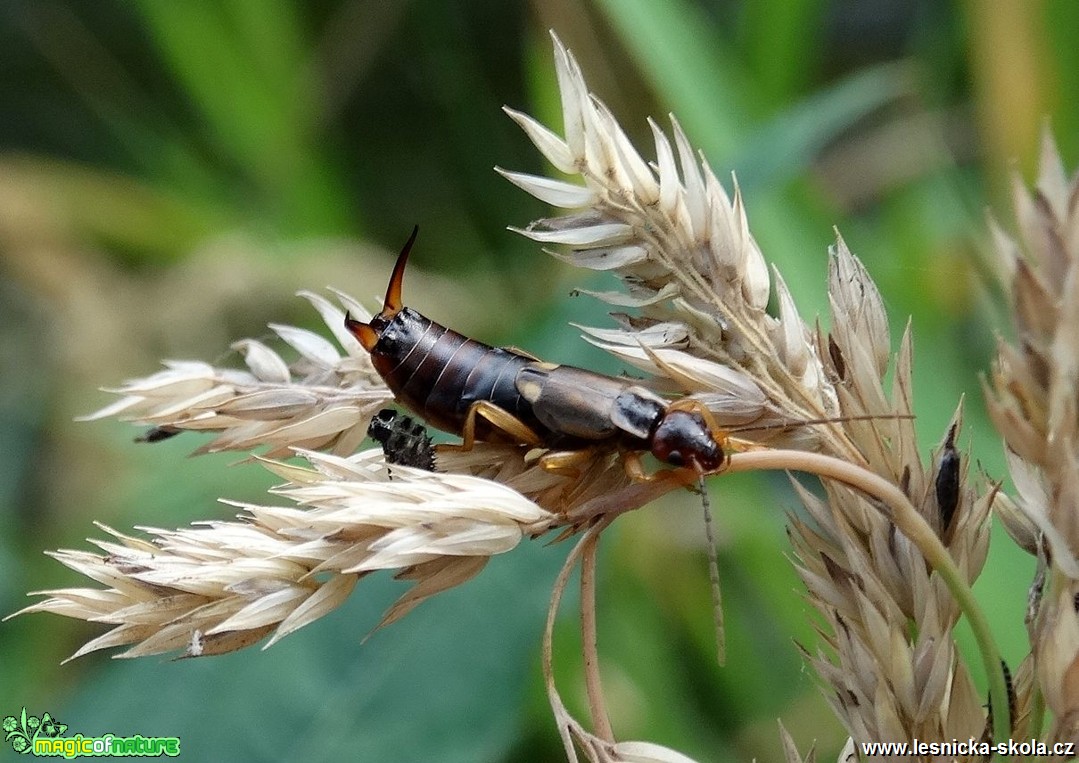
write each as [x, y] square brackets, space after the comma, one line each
[1032, 394]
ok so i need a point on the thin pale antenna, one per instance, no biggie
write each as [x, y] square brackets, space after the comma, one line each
[792, 423]
[713, 575]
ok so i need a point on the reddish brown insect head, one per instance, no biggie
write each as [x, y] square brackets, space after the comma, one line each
[368, 333]
[684, 438]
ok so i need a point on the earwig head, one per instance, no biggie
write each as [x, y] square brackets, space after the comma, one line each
[369, 333]
[683, 438]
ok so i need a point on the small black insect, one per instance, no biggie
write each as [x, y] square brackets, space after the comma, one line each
[404, 441]
[947, 482]
[157, 434]
[1013, 703]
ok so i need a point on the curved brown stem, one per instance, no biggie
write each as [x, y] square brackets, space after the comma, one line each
[568, 728]
[601, 721]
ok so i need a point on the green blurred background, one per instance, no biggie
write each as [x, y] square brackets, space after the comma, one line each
[172, 172]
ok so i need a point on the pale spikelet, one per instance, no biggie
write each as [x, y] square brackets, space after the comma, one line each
[790, 749]
[683, 251]
[1032, 394]
[222, 586]
[324, 399]
[868, 581]
[646, 752]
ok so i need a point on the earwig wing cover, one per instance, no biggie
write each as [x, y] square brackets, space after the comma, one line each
[570, 400]
[635, 410]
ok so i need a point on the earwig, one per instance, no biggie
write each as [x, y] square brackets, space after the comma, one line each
[479, 392]
[498, 394]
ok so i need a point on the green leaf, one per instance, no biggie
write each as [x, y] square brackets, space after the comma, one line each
[246, 69]
[781, 41]
[783, 148]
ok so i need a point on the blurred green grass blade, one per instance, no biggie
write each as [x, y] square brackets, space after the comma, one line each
[248, 115]
[136, 119]
[468, 115]
[783, 148]
[168, 159]
[243, 66]
[1062, 20]
[105, 206]
[682, 55]
[269, 31]
[781, 41]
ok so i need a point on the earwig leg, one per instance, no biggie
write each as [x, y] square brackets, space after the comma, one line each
[743, 446]
[631, 462]
[565, 462]
[696, 406]
[498, 418]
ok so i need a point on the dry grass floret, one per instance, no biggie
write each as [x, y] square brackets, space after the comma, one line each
[1032, 394]
[324, 400]
[222, 586]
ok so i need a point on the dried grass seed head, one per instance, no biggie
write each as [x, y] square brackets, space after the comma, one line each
[1035, 382]
[1032, 394]
[683, 251]
[225, 585]
[323, 400]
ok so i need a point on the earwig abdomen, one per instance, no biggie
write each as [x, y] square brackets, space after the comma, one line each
[439, 373]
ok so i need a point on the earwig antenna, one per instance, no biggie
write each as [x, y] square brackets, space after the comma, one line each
[855, 417]
[713, 574]
[791, 423]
